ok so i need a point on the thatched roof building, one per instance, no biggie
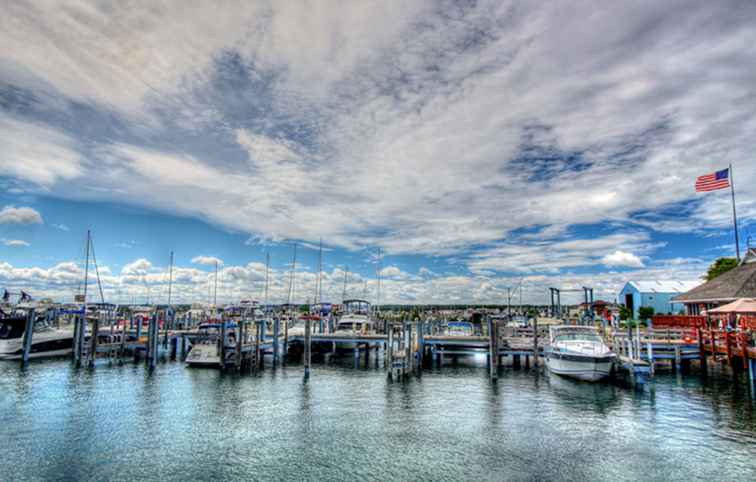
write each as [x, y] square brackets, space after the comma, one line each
[739, 282]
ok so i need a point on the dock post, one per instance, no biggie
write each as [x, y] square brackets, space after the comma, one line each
[516, 361]
[356, 355]
[139, 328]
[420, 343]
[93, 341]
[752, 373]
[174, 347]
[307, 348]
[493, 350]
[183, 347]
[122, 349]
[650, 355]
[276, 334]
[28, 334]
[222, 343]
[239, 342]
[678, 359]
[152, 342]
[389, 355]
[701, 350]
[409, 366]
[286, 339]
[258, 350]
[535, 341]
[76, 340]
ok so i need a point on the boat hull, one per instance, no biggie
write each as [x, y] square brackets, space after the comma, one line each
[585, 368]
[204, 355]
[44, 345]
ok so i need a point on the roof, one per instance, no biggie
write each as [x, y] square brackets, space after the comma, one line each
[742, 305]
[663, 286]
[739, 282]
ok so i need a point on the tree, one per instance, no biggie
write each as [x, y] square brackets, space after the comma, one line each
[625, 313]
[645, 312]
[720, 266]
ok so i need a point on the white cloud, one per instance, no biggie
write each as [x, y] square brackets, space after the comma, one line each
[15, 242]
[622, 259]
[207, 260]
[20, 215]
[422, 129]
[62, 227]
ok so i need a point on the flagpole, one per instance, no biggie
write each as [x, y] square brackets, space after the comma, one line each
[734, 214]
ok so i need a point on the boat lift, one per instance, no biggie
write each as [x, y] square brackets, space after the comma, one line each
[556, 301]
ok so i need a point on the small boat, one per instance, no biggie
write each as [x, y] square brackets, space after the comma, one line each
[206, 351]
[47, 341]
[459, 328]
[578, 352]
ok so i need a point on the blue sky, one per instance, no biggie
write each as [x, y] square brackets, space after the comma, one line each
[476, 146]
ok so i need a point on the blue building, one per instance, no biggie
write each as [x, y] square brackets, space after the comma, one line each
[656, 294]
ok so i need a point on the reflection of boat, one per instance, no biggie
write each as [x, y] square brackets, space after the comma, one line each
[578, 352]
[47, 341]
[459, 328]
[206, 351]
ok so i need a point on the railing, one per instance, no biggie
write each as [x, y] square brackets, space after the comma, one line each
[678, 321]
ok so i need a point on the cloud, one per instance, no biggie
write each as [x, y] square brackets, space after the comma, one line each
[20, 215]
[438, 128]
[207, 260]
[15, 242]
[622, 258]
[62, 227]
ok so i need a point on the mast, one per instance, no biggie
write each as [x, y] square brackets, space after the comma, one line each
[734, 214]
[319, 284]
[378, 275]
[267, 269]
[343, 293]
[86, 274]
[291, 277]
[215, 290]
[170, 279]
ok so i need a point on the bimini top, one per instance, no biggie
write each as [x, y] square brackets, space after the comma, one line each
[355, 301]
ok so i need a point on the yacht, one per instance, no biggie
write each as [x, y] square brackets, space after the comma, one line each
[47, 341]
[206, 351]
[578, 352]
[355, 320]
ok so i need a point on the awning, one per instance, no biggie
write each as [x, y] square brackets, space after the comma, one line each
[742, 305]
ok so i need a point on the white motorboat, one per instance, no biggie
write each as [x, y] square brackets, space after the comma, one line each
[355, 321]
[47, 341]
[206, 351]
[578, 352]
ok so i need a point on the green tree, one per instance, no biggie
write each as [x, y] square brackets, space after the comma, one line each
[625, 313]
[720, 266]
[645, 312]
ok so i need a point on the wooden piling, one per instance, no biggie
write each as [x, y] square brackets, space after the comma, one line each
[535, 341]
[389, 355]
[276, 334]
[93, 341]
[307, 348]
[27, 340]
[493, 349]
[152, 342]
[222, 343]
[76, 352]
[239, 342]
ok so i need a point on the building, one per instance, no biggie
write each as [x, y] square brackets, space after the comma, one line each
[739, 282]
[659, 295]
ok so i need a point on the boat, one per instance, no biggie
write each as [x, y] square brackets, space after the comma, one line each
[47, 341]
[355, 320]
[459, 328]
[578, 352]
[205, 352]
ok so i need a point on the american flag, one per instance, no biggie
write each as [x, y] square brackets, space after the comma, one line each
[713, 181]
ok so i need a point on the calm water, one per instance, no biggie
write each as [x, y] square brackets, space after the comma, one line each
[120, 423]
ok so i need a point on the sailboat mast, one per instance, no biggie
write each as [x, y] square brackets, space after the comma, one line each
[86, 273]
[215, 290]
[343, 293]
[291, 277]
[170, 279]
[319, 284]
[267, 270]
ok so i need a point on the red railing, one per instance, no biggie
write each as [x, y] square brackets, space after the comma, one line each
[678, 321]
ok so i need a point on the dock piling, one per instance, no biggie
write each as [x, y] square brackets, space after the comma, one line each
[307, 349]
[27, 340]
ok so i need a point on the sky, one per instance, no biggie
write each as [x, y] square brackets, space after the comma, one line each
[466, 151]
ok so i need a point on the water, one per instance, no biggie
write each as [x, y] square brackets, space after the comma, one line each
[121, 423]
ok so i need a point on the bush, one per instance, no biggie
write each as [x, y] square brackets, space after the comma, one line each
[645, 312]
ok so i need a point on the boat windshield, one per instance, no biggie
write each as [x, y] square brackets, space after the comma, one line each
[10, 329]
[577, 337]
